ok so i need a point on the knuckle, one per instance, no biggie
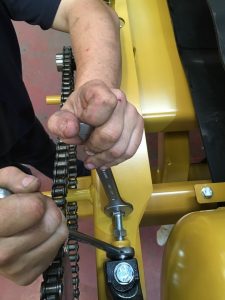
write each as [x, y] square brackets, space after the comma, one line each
[122, 96]
[100, 93]
[58, 216]
[87, 94]
[7, 174]
[53, 218]
[129, 153]
[7, 171]
[103, 140]
[6, 256]
[36, 205]
[110, 99]
[63, 233]
[116, 153]
[91, 89]
[109, 135]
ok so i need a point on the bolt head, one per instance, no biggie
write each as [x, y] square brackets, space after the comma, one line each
[207, 192]
[124, 273]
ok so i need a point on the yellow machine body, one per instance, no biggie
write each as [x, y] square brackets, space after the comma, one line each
[165, 98]
[154, 81]
[194, 258]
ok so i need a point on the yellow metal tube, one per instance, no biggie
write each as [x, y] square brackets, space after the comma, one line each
[53, 99]
[170, 201]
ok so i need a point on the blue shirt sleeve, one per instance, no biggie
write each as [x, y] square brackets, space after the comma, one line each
[35, 12]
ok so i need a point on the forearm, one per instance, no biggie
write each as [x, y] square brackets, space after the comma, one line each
[97, 99]
[94, 30]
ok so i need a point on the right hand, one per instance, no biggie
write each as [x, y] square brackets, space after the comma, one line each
[117, 125]
[32, 228]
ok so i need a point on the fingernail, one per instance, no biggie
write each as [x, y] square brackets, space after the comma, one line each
[89, 166]
[27, 180]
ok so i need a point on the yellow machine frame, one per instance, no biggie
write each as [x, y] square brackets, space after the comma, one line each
[154, 81]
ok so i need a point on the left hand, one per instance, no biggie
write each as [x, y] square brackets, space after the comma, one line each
[118, 127]
[32, 228]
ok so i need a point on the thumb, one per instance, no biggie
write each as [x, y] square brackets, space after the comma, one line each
[17, 181]
[65, 125]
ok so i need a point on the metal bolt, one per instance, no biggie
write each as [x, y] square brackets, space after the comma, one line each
[122, 22]
[207, 192]
[59, 62]
[119, 231]
[124, 273]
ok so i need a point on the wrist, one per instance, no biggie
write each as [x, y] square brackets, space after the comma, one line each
[112, 83]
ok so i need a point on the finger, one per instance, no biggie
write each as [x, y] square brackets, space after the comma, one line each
[18, 182]
[112, 154]
[93, 103]
[109, 157]
[65, 125]
[103, 137]
[26, 268]
[123, 148]
[20, 212]
[12, 246]
[135, 139]
[133, 145]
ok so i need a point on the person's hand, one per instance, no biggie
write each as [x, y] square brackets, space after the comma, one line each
[32, 228]
[118, 127]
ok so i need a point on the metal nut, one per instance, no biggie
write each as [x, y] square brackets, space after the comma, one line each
[207, 192]
[124, 273]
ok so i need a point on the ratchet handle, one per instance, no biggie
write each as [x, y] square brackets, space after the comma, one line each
[116, 204]
[85, 131]
[111, 251]
[109, 184]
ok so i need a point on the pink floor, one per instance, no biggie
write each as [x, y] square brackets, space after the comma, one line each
[38, 51]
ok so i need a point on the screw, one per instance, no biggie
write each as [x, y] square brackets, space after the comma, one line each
[122, 22]
[119, 231]
[207, 192]
[124, 273]
[59, 62]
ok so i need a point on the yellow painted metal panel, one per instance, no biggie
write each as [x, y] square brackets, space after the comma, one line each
[133, 176]
[165, 99]
[194, 259]
[215, 193]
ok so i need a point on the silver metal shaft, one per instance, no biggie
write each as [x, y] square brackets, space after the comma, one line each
[116, 208]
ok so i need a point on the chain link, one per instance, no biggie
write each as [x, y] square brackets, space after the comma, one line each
[64, 177]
